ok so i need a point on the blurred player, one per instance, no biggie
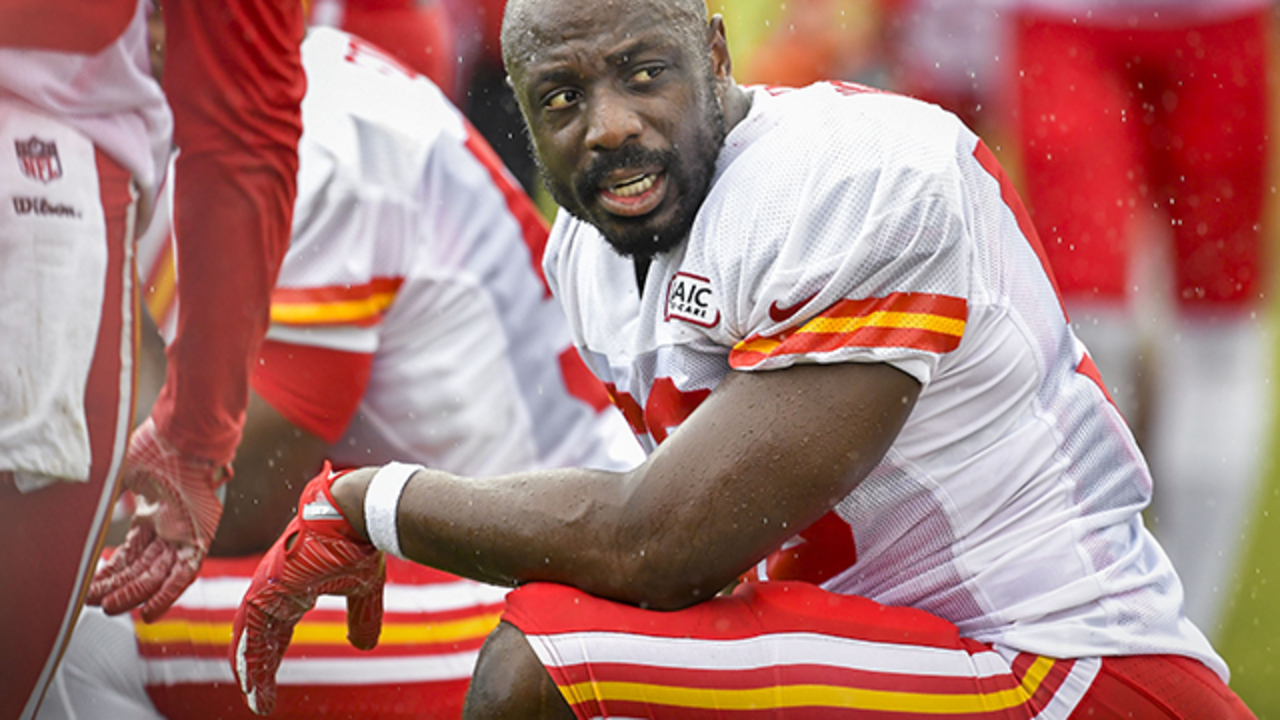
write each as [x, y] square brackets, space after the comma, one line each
[953, 53]
[1150, 118]
[84, 126]
[410, 322]
[418, 33]
[83, 135]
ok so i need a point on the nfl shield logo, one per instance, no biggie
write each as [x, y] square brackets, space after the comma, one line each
[39, 159]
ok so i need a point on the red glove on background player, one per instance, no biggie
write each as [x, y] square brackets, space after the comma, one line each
[318, 554]
[177, 515]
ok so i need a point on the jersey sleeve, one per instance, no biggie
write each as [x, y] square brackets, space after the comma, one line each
[317, 389]
[48, 24]
[855, 251]
[234, 79]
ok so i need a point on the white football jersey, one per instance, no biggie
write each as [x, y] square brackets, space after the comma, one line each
[408, 245]
[109, 96]
[848, 225]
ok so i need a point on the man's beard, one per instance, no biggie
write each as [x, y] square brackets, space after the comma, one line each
[691, 180]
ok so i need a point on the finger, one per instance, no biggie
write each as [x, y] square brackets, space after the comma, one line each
[364, 619]
[118, 570]
[141, 579]
[109, 577]
[258, 647]
[186, 566]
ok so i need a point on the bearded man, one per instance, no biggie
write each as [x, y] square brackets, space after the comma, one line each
[825, 315]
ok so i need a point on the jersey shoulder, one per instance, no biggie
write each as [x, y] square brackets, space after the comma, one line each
[363, 106]
[837, 130]
[815, 175]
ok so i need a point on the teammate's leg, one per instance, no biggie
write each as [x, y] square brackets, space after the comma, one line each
[101, 674]
[510, 682]
[49, 537]
[1206, 448]
[1078, 152]
[1081, 168]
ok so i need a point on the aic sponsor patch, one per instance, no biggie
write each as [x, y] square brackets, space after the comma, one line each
[690, 298]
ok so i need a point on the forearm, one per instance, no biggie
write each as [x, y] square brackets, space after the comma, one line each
[730, 486]
[564, 525]
[234, 79]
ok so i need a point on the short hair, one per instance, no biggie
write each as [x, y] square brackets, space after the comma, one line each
[690, 17]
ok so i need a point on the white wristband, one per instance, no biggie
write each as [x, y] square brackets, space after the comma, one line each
[382, 500]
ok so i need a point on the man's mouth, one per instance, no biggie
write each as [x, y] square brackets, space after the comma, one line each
[635, 194]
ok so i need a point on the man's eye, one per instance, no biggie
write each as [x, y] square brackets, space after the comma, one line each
[560, 99]
[647, 74]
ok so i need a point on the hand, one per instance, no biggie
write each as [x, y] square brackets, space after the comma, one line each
[177, 515]
[318, 554]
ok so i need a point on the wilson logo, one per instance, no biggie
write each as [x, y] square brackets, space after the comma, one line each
[41, 206]
[690, 298]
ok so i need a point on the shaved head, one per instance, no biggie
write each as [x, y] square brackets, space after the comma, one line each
[528, 25]
[627, 103]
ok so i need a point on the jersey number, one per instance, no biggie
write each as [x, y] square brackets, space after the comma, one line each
[666, 408]
[367, 56]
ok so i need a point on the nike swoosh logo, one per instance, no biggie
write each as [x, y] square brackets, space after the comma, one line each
[778, 314]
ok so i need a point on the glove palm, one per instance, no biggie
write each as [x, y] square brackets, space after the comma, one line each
[318, 554]
[169, 536]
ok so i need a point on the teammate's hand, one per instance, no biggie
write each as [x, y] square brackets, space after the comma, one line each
[318, 554]
[177, 514]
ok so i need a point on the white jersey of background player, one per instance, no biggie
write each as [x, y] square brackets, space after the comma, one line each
[1010, 502]
[406, 251]
[414, 262]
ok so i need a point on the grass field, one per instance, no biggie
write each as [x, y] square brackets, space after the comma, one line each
[1250, 640]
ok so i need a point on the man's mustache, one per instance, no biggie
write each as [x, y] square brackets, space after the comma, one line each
[627, 156]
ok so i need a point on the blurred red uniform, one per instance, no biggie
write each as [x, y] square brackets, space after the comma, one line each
[87, 123]
[418, 33]
[1157, 110]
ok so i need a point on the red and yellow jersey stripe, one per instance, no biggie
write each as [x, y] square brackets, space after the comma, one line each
[781, 650]
[812, 691]
[160, 288]
[427, 613]
[362, 305]
[919, 321]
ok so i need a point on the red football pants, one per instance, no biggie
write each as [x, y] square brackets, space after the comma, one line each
[781, 650]
[50, 538]
[1113, 122]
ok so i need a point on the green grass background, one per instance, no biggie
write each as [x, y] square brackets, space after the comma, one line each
[1250, 637]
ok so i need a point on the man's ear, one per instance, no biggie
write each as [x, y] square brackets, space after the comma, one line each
[721, 63]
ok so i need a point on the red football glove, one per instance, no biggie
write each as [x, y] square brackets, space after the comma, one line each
[318, 554]
[177, 515]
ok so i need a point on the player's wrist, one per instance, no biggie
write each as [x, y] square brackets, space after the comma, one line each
[348, 491]
[382, 505]
[150, 440]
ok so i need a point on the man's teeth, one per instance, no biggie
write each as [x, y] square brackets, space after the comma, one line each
[631, 188]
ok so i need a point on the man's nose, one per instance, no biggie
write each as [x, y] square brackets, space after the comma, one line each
[612, 123]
